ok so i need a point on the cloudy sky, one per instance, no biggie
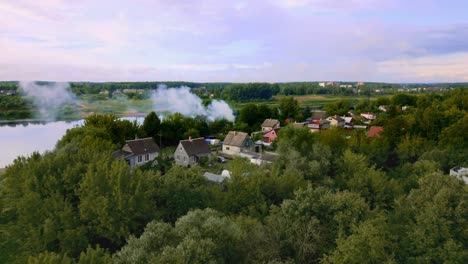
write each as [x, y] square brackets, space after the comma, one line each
[235, 41]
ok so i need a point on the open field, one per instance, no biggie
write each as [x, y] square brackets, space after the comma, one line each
[318, 101]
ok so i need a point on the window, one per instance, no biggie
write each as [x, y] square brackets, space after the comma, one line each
[140, 158]
[227, 148]
[146, 157]
[178, 157]
[185, 158]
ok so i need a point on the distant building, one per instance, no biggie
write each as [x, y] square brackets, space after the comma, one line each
[317, 125]
[383, 108]
[368, 117]
[270, 136]
[138, 152]
[336, 121]
[7, 92]
[321, 84]
[190, 151]
[375, 131]
[270, 124]
[360, 84]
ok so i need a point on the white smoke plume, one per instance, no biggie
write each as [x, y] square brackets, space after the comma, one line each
[183, 101]
[48, 98]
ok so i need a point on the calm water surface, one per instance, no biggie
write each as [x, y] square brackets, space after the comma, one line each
[24, 138]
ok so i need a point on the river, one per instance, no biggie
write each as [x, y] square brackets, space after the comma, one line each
[24, 138]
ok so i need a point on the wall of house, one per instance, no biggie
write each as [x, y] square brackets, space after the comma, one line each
[134, 159]
[231, 150]
[181, 157]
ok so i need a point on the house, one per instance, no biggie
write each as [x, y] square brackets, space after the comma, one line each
[368, 117]
[383, 108]
[237, 142]
[321, 84]
[7, 92]
[336, 121]
[349, 121]
[270, 124]
[317, 125]
[189, 151]
[138, 151]
[460, 173]
[375, 131]
[270, 136]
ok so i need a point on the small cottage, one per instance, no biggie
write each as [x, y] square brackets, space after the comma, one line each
[190, 151]
[237, 142]
[317, 125]
[270, 124]
[270, 136]
[138, 151]
[336, 121]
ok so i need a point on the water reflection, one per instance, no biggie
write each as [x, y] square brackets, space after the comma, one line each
[27, 136]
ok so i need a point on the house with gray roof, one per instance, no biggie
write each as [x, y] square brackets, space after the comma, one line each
[190, 151]
[138, 151]
[236, 142]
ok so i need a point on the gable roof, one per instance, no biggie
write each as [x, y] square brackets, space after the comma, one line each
[317, 115]
[299, 125]
[270, 123]
[272, 132]
[235, 138]
[347, 119]
[142, 146]
[374, 131]
[337, 118]
[195, 146]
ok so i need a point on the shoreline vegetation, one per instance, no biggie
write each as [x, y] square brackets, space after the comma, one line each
[134, 98]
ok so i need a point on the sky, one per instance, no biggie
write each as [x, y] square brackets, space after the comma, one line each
[234, 41]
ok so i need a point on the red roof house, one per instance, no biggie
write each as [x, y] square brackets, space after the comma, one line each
[375, 131]
[270, 136]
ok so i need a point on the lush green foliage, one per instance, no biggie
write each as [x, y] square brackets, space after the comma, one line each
[331, 197]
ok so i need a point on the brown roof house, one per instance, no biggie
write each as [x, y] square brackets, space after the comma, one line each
[138, 151]
[190, 151]
[237, 142]
[270, 124]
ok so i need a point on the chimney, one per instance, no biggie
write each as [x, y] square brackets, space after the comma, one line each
[190, 138]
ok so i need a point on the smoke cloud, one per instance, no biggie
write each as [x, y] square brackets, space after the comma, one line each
[183, 101]
[48, 98]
